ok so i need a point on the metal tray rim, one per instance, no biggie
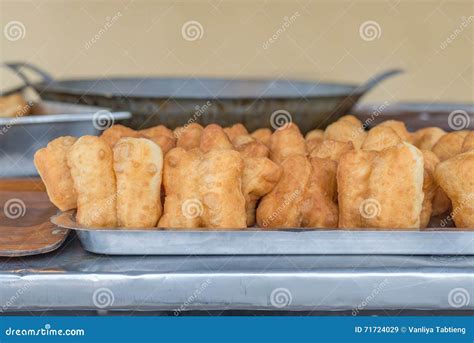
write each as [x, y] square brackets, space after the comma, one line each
[60, 118]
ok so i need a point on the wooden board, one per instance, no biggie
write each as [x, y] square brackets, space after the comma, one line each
[25, 228]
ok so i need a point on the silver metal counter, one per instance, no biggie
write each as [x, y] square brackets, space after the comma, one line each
[72, 278]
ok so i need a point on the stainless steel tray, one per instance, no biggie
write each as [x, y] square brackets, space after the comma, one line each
[122, 241]
[20, 137]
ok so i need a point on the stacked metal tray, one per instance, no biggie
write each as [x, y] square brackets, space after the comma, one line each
[155, 241]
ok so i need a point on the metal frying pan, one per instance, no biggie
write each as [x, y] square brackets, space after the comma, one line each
[175, 102]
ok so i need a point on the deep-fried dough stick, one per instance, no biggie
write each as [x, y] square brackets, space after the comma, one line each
[188, 137]
[91, 162]
[263, 136]
[330, 149]
[449, 145]
[235, 131]
[162, 136]
[183, 207]
[285, 142]
[214, 137]
[346, 129]
[115, 132]
[381, 137]
[399, 127]
[468, 143]
[427, 137]
[430, 186]
[138, 165]
[51, 163]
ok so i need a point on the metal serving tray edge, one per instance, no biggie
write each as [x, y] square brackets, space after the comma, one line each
[119, 241]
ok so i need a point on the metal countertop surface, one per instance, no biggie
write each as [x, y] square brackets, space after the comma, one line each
[71, 278]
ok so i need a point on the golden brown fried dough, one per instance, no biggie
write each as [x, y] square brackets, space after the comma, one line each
[260, 175]
[249, 147]
[381, 137]
[138, 165]
[330, 149]
[162, 136]
[235, 131]
[314, 143]
[316, 133]
[381, 189]
[263, 136]
[90, 160]
[441, 203]
[14, 105]
[455, 177]
[351, 119]
[346, 129]
[115, 132]
[449, 145]
[468, 143]
[399, 127]
[183, 206]
[281, 208]
[221, 190]
[214, 137]
[427, 137]
[188, 137]
[319, 208]
[430, 186]
[51, 163]
[285, 142]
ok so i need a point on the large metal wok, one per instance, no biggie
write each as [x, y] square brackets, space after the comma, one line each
[177, 101]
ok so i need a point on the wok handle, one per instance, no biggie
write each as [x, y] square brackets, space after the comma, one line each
[375, 80]
[17, 68]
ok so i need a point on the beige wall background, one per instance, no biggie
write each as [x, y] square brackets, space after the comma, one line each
[431, 40]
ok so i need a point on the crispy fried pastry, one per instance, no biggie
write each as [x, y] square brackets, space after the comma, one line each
[90, 160]
[430, 186]
[250, 147]
[330, 149]
[221, 190]
[441, 203]
[281, 208]
[381, 189]
[381, 137]
[262, 135]
[316, 133]
[455, 177]
[183, 207]
[346, 129]
[314, 143]
[449, 145]
[115, 132]
[162, 136]
[319, 208]
[427, 137]
[51, 163]
[138, 165]
[399, 127]
[214, 137]
[260, 175]
[285, 142]
[468, 143]
[188, 137]
[235, 131]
